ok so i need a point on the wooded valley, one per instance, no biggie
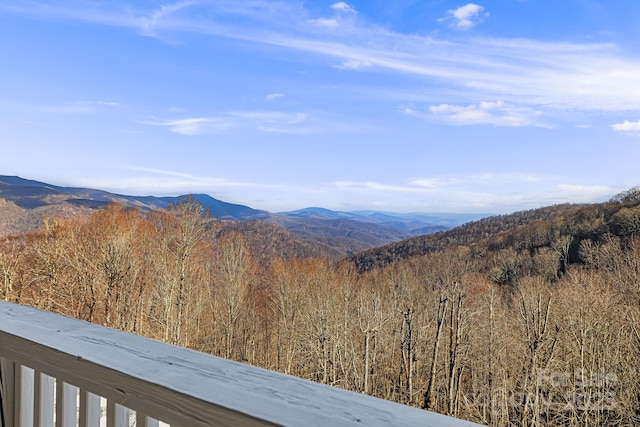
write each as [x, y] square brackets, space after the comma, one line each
[535, 322]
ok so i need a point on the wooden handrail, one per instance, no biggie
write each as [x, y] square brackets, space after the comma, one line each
[49, 362]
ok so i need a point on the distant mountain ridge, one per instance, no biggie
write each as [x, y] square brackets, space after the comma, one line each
[30, 194]
[319, 213]
[412, 223]
[26, 202]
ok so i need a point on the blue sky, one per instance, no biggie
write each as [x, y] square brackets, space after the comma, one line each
[404, 105]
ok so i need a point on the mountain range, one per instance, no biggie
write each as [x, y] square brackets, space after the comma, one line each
[24, 203]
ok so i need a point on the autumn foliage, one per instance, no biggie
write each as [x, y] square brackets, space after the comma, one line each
[537, 327]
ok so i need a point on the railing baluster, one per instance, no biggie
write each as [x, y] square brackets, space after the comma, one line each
[117, 415]
[24, 396]
[47, 400]
[143, 420]
[43, 394]
[66, 404]
[36, 398]
[89, 409]
[7, 391]
[37, 395]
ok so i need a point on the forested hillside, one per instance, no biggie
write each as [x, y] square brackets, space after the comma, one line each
[465, 235]
[539, 325]
[267, 242]
[345, 235]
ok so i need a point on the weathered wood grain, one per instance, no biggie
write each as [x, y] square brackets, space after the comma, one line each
[184, 387]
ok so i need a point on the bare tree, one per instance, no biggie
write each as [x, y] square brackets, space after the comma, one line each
[540, 332]
[183, 230]
[234, 276]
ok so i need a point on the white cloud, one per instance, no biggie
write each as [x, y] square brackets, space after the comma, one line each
[466, 16]
[376, 187]
[493, 113]
[585, 193]
[195, 125]
[325, 22]
[548, 75]
[98, 103]
[343, 7]
[163, 12]
[552, 76]
[272, 117]
[264, 121]
[273, 96]
[448, 183]
[479, 192]
[441, 182]
[354, 65]
[273, 121]
[485, 192]
[164, 182]
[81, 107]
[339, 20]
[627, 126]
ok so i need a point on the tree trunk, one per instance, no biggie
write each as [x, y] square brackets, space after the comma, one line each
[428, 401]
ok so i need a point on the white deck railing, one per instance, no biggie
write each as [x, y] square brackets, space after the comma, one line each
[56, 371]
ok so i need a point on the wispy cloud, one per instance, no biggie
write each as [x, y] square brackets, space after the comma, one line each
[81, 107]
[378, 187]
[482, 192]
[479, 192]
[272, 121]
[325, 22]
[265, 121]
[194, 125]
[466, 17]
[537, 75]
[492, 113]
[342, 18]
[73, 10]
[354, 65]
[188, 182]
[273, 96]
[447, 183]
[343, 7]
[141, 180]
[149, 25]
[534, 74]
